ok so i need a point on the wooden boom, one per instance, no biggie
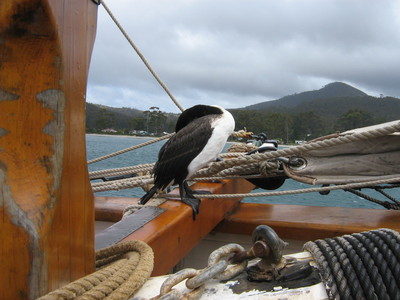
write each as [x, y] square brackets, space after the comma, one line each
[46, 202]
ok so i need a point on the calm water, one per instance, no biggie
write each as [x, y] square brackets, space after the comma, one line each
[98, 145]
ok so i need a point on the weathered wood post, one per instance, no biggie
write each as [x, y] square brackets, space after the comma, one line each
[46, 203]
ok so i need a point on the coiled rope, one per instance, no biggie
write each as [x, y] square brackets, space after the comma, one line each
[363, 265]
[123, 269]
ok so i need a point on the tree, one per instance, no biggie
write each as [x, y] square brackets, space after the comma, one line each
[138, 123]
[354, 118]
[307, 126]
[105, 119]
[277, 126]
[155, 120]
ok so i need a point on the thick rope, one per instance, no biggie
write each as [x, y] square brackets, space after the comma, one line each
[385, 204]
[140, 181]
[303, 191]
[379, 190]
[216, 167]
[141, 169]
[132, 264]
[143, 181]
[142, 56]
[248, 164]
[359, 266]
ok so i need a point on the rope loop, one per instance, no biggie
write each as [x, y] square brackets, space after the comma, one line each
[269, 167]
[123, 269]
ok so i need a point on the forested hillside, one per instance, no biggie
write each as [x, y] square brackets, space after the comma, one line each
[128, 120]
[332, 90]
[303, 116]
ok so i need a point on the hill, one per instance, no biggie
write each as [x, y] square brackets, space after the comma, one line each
[335, 107]
[332, 90]
[311, 114]
[332, 101]
[125, 119]
[105, 116]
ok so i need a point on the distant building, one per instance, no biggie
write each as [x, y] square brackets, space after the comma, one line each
[299, 142]
[109, 130]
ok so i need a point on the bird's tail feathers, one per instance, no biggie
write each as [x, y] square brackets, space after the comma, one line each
[148, 195]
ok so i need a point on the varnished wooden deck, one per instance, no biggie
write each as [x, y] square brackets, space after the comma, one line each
[308, 222]
[173, 234]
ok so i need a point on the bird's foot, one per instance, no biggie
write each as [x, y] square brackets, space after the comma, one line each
[194, 203]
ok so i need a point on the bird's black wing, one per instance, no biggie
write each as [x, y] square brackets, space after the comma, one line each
[177, 153]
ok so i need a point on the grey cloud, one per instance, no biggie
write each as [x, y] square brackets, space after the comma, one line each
[237, 53]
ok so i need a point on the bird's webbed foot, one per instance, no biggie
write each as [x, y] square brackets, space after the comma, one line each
[194, 203]
[187, 197]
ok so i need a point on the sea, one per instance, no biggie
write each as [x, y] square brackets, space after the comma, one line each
[99, 145]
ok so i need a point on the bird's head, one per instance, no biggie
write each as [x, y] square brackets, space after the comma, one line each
[196, 112]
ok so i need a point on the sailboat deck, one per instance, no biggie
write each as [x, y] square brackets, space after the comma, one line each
[173, 234]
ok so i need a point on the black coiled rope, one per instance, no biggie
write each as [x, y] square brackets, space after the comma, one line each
[363, 265]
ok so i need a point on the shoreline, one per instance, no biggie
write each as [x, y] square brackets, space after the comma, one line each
[151, 137]
[122, 135]
[134, 136]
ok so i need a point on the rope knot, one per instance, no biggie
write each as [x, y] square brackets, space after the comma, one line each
[269, 167]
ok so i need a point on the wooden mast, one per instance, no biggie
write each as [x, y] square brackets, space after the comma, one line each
[46, 202]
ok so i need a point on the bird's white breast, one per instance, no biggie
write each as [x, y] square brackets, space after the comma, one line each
[222, 127]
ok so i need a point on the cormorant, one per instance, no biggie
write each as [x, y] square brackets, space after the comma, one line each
[201, 133]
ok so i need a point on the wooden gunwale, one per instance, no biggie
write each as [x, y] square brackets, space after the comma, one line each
[173, 234]
[307, 222]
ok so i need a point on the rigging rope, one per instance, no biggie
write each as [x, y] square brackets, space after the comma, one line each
[216, 167]
[300, 191]
[142, 168]
[130, 148]
[142, 56]
[385, 204]
[248, 163]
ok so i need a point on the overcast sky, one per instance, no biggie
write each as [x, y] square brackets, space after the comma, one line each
[236, 53]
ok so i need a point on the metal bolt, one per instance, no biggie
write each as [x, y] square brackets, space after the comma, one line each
[259, 249]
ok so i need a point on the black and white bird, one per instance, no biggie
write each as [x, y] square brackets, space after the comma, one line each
[201, 133]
